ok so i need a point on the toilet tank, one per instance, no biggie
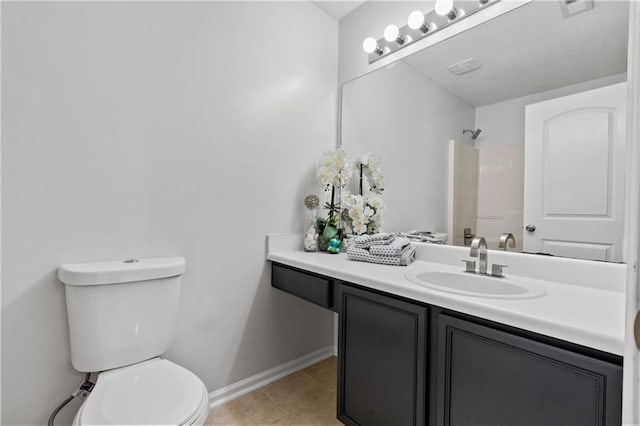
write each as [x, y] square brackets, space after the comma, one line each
[121, 312]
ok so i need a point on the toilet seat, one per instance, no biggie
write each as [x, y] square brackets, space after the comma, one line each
[155, 392]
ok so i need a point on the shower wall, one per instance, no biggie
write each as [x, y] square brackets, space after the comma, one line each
[465, 190]
[500, 193]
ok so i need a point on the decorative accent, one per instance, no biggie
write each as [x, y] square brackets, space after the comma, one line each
[334, 170]
[370, 173]
[311, 202]
[334, 246]
[421, 25]
[334, 173]
[364, 212]
[347, 241]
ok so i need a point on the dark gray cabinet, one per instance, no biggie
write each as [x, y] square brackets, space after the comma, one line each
[311, 287]
[382, 359]
[402, 362]
[491, 377]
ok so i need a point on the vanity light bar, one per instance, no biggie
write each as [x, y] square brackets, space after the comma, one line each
[421, 25]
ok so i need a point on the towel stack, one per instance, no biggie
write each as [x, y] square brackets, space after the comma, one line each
[382, 248]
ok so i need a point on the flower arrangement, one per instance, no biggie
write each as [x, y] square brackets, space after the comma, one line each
[334, 173]
[365, 211]
[370, 169]
[334, 170]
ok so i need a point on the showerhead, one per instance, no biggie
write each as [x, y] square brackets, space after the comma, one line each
[474, 133]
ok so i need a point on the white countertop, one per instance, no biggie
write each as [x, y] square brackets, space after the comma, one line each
[585, 315]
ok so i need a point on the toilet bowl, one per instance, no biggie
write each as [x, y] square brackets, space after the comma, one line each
[152, 392]
[121, 319]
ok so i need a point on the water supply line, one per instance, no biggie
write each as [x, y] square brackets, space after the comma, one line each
[83, 391]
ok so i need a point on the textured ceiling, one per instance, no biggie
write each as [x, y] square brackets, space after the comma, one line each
[530, 50]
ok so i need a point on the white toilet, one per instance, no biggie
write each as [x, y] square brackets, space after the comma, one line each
[122, 316]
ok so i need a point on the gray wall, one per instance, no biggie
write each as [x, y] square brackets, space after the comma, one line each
[154, 129]
[407, 120]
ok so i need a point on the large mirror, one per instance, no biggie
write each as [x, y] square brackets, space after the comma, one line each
[543, 100]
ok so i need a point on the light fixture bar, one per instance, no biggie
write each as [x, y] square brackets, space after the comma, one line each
[447, 12]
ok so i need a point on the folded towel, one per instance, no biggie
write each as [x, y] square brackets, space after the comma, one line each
[395, 248]
[407, 256]
[366, 241]
[422, 238]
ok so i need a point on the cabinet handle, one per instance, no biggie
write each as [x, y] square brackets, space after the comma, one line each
[530, 228]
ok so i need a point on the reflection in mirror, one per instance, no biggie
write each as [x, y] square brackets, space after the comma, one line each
[542, 98]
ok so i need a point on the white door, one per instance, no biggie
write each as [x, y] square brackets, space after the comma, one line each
[573, 176]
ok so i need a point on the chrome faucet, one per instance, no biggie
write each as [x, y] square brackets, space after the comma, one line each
[506, 238]
[479, 250]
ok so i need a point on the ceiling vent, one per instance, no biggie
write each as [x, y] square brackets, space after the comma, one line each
[574, 7]
[464, 66]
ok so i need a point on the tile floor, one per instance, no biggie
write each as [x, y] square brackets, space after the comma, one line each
[307, 397]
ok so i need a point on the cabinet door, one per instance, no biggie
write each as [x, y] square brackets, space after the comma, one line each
[489, 377]
[382, 359]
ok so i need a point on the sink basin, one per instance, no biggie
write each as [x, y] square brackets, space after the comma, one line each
[475, 285]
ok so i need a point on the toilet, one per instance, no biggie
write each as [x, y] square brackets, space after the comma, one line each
[122, 316]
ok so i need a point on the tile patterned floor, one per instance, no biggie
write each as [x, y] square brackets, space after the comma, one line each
[307, 397]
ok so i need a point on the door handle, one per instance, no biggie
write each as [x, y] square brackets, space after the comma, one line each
[530, 228]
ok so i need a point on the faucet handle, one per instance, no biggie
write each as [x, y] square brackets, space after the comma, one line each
[470, 266]
[496, 270]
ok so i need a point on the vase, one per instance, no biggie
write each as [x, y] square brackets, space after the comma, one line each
[329, 234]
[347, 241]
[310, 239]
[329, 230]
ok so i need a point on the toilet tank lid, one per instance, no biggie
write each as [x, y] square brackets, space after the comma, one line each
[121, 271]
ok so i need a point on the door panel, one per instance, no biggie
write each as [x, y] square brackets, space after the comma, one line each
[569, 168]
[489, 377]
[382, 357]
[574, 163]
[565, 248]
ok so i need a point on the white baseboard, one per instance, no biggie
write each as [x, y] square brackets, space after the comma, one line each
[235, 390]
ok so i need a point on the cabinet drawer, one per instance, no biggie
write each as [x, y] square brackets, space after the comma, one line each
[314, 288]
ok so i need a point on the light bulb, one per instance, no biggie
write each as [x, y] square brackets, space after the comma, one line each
[415, 20]
[369, 45]
[391, 33]
[443, 7]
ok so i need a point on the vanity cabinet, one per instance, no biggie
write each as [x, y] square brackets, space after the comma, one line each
[405, 363]
[311, 287]
[491, 377]
[382, 359]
